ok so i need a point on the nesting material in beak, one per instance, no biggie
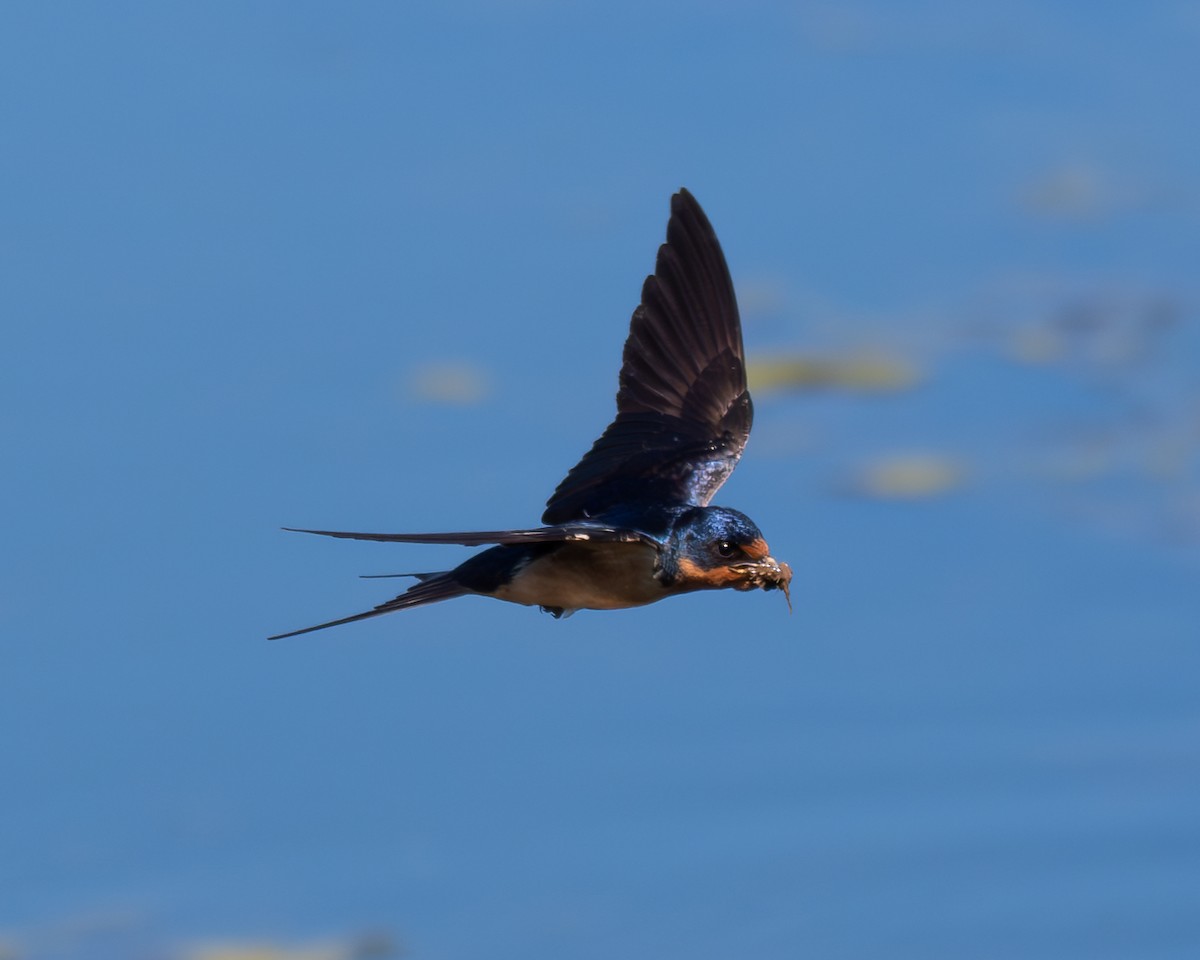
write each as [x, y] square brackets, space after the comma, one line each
[783, 580]
[769, 574]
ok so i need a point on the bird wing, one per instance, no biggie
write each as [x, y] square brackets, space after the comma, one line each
[558, 533]
[683, 410]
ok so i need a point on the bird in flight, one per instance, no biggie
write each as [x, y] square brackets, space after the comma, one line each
[631, 523]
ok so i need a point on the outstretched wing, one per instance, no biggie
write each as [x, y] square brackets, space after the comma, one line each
[683, 411]
[560, 533]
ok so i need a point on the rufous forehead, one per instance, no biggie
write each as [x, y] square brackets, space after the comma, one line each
[756, 549]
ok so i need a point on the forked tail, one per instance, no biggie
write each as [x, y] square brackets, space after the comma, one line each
[432, 588]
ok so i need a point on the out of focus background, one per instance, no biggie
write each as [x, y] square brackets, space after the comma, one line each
[370, 266]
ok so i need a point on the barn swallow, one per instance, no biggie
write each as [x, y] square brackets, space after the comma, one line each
[631, 523]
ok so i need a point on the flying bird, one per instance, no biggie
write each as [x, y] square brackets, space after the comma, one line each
[631, 523]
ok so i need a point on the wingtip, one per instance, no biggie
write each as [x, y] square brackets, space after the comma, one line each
[295, 633]
[681, 197]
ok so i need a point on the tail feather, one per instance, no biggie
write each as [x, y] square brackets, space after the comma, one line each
[432, 588]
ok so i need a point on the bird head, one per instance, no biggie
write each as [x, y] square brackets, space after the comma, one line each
[711, 548]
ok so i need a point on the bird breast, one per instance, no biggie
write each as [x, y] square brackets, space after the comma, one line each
[588, 576]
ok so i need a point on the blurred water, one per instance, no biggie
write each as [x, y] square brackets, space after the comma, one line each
[372, 268]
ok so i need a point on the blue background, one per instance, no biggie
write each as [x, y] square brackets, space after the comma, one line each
[370, 266]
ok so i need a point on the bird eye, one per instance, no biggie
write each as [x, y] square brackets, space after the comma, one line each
[726, 549]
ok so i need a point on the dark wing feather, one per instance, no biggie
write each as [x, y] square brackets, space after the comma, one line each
[683, 410]
[561, 533]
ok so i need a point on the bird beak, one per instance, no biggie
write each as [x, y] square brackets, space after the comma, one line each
[769, 574]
